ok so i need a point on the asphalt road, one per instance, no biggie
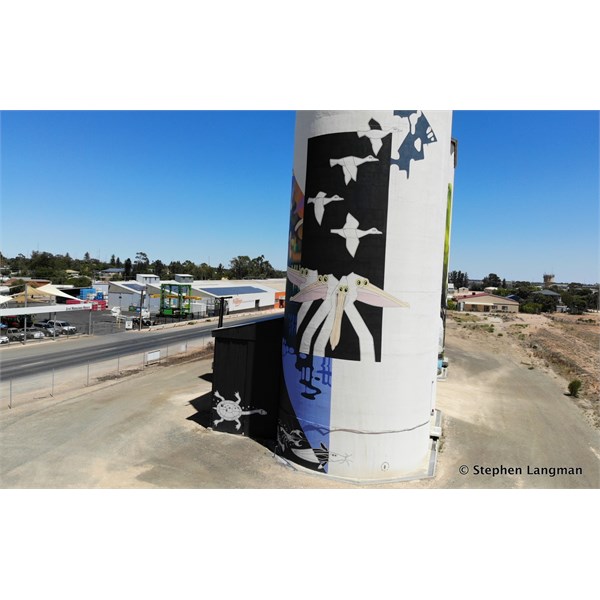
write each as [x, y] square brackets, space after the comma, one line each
[32, 359]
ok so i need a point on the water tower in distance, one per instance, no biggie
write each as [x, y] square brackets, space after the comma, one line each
[548, 280]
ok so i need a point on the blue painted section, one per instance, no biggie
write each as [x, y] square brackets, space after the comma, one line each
[408, 150]
[308, 382]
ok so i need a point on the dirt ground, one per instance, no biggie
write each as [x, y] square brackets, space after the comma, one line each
[500, 406]
[567, 345]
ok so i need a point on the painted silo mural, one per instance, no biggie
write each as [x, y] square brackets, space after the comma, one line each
[365, 266]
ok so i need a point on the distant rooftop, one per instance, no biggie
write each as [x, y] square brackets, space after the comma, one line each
[231, 291]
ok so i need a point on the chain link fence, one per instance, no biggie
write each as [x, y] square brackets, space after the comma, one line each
[59, 383]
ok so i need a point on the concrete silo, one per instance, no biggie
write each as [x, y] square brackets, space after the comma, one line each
[365, 269]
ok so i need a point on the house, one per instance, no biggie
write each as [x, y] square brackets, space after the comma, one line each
[549, 294]
[108, 274]
[484, 302]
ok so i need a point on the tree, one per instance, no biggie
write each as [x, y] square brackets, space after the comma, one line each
[547, 303]
[175, 267]
[113, 262]
[127, 266]
[86, 257]
[459, 279]
[189, 268]
[142, 263]
[159, 268]
[531, 308]
[239, 267]
[205, 271]
[492, 280]
[80, 281]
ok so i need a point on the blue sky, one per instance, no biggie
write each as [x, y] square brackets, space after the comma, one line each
[211, 185]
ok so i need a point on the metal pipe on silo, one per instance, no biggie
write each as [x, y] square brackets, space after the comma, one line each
[365, 266]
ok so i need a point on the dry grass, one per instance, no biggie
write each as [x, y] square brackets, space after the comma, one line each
[569, 345]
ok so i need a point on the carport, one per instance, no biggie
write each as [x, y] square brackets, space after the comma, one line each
[32, 300]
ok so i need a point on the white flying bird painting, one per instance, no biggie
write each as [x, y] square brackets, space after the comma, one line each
[320, 201]
[352, 234]
[350, 165]
[375, 136]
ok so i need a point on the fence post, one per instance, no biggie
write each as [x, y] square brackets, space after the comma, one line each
[10, 396]
[185, 351]
[88, 375]
[52, 390]
[118, 365]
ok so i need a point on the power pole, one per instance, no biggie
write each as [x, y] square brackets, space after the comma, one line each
[141, 306]
[222, 309]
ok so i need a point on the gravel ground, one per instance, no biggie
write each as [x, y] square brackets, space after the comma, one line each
[144, 431]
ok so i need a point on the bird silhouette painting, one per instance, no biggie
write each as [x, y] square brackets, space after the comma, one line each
[352, 234]
[338, 299]
[321, 201]
[376, 135]
[350, 165]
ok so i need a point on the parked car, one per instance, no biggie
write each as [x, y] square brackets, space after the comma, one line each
[47, 329]
[145, 322]
[62, 326]
[15, 335]
[4, 339]
[34, 334]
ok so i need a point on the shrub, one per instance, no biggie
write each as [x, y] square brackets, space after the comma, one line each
[574, 387]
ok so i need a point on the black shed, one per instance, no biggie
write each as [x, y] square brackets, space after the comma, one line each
[246, 377]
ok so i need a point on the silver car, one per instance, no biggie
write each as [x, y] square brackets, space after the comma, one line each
[47, 329]
[34, 334]
[63, 326]
[15, 335]
[4, 339]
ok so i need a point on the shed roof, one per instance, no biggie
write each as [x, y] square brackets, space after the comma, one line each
[487, 299]
[219, 291]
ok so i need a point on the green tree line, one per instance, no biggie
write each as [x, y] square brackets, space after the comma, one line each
[56, 267]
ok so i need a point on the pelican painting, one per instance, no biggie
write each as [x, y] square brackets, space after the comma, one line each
[320, 201]
[303, 278]
[352, 234]
[339, 297]
[350, 165]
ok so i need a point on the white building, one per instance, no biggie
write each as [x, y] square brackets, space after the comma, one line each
[147, 278]
[241, 295]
